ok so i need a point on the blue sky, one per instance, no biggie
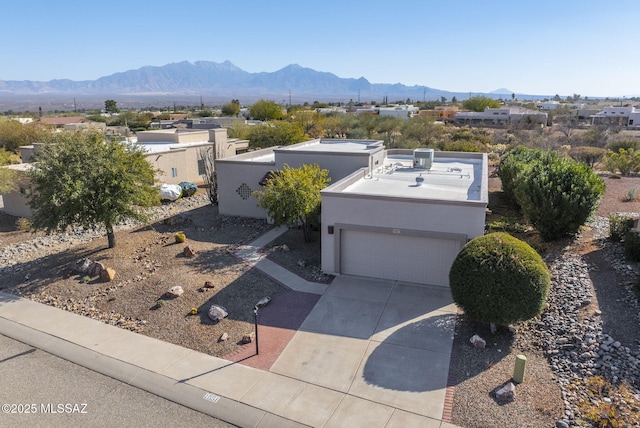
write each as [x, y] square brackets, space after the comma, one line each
[544, 47]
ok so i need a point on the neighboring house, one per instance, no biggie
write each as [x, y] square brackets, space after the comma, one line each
[440, 113]
[60, 121]
[396, 214]
[174, 153]
[620, 116]
[400, 111]
[500, 117]
[23, 120]
[403, 112]
[15, 202]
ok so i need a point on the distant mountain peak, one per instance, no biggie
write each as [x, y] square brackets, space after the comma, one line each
[502, 91]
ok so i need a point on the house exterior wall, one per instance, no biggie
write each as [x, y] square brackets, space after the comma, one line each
[173, 136]
[184, 160]
[439, 218]
[16, 204]
[339, 165]
[237, 179]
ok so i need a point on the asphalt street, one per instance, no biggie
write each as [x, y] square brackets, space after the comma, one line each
[38, 389]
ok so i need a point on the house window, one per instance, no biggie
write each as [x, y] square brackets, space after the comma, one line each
[201, 168]
[174, 172]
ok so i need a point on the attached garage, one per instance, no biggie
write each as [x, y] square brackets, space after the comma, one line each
[402, 222]
[401, 255]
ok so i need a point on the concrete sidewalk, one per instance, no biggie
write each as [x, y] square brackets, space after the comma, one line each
[370, 354]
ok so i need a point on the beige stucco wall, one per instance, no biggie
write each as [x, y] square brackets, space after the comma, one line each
[172, 136]
[441, 217]
[235, 175]
[185, 160]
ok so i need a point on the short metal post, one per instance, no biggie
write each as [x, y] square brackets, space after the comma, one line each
[255, 322]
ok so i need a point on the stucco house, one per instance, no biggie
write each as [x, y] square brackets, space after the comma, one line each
[395, 214]
[500, 117]
[174, 153]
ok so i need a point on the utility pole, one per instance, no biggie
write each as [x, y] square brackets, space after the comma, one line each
[289, 97]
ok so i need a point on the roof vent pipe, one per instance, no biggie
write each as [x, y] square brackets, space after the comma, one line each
[419, 180]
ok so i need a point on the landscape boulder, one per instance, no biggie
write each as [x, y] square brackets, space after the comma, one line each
[247, 338]
[477, 341]
[188, 252]
[223, 337]
[175, 291]
[82, 266]
[108, 274]
[96, 269]
[506, 393]
[208, 284]
[217, 313]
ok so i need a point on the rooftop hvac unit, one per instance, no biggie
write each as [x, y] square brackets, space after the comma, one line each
[423, 158]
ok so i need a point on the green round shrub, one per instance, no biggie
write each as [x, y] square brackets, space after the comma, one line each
[558, 195]
[180, 237]
[512, 165]
[499, 279]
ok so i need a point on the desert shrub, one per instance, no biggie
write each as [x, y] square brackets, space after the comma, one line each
[558, 195]
[499, 279]
[631, 196]
[624, 161]
[511, 165]
[608, 406]
[619, 225]
[588, 155]
[632, 245]
[180, 237]
[24, 225]
[627, 143]
[464, 146]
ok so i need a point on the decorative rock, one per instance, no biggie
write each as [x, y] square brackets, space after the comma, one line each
[562, 424]
[285, 248]
[108, 274]
[263, 302]
[478, 342]
[301, 263]
[175, 291]
[247, 338]
[506, 393]
[208, 284]
[96, 269]
[188, 252]
[81, 266]
[217, 313]
[224, 337]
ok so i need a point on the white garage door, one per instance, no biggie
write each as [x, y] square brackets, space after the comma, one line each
[424, 260]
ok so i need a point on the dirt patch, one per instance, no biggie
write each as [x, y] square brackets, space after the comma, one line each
[148, 262]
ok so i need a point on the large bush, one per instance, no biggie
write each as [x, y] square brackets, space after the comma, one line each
[499, 279]
[558, 195]
[511, 166]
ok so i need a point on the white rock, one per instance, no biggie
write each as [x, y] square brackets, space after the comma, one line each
[477, 341]
[175, 291]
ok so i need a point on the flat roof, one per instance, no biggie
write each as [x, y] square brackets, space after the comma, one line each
[450, 178]
[151, 147]
[335, 146]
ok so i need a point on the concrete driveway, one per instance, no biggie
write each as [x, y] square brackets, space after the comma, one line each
[376, 341]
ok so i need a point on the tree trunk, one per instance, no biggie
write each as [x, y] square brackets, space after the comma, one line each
[111, 237]
[493, 327]
[306, 230]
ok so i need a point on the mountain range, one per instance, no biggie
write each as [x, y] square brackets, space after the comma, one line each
[225, 81]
